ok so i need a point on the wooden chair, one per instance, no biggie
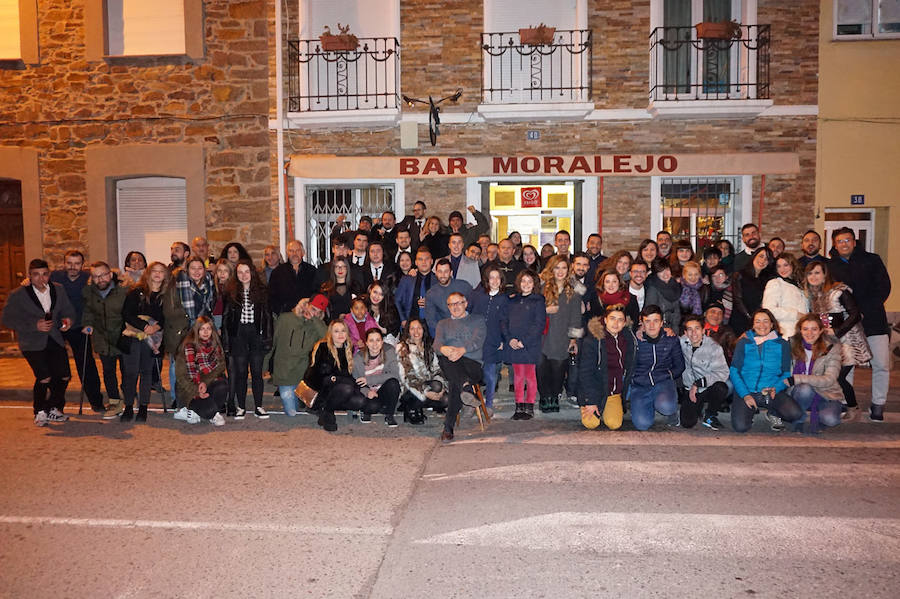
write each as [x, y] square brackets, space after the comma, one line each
[484, 417]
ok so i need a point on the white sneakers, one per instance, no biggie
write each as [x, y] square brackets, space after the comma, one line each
[189, 416]
[41, 419]
[217, 420]
[56, 416]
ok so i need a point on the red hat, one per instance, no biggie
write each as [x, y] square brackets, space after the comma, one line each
[319, 301]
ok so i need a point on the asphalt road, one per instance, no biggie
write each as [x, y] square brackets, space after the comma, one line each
[279, 508]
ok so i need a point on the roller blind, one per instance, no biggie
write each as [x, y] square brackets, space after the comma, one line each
[510, 15]
[367, 18]
[151, 215]
[139, 27]
[10, 39]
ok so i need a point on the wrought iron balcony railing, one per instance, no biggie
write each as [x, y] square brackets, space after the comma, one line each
[514, 72]
[361, 79]
[685, 67]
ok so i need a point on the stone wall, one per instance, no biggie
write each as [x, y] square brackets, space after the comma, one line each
[67, 103]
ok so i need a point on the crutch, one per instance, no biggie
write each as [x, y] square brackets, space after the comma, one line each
[162, 393]
[83, 372]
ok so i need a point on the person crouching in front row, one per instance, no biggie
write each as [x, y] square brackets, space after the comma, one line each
[605, 368]
[200, 380]
[658, 365]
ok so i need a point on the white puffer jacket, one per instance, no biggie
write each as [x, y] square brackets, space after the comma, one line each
[787, 302]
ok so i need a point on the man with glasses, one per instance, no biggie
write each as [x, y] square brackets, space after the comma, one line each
[102, 323]
[865, 274]
[458, 342]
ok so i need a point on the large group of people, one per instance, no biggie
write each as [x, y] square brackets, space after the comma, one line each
[414, 316]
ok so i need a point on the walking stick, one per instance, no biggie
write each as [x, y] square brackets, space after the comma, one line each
[161, 393]
[83, 372]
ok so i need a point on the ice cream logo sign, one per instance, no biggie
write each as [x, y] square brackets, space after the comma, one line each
[531, 197]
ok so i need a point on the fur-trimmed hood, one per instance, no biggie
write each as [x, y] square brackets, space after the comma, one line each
[596, 327]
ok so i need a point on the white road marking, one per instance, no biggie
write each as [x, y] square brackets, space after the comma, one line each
[375, 531]
[705, 473]
[643, 533]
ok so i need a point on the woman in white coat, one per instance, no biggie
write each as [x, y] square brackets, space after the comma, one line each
[783, 295]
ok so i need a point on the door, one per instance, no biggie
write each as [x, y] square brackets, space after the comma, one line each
[12, 241]
[861, 220]
[536, 210]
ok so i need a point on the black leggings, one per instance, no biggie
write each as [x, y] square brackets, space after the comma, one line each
[550, 376]
[246, 350]
[846, 387]
[408, 401]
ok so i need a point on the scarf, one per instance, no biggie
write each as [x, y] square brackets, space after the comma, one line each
[726, 297]
[690, 296]
[620, 297]
[670, 291]
[760, 339]
[801, 367]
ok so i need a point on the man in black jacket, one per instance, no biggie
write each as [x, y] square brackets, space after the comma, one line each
[376, 268]
[291, 281]
[865, 274]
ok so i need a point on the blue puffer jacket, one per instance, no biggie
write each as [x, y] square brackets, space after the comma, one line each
[527, 319]
[657, 360]
[494, 309]
[756, 367]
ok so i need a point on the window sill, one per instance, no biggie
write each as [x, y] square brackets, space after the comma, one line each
[147, 60]
[708, 109]
[569, 111]
[340, 119]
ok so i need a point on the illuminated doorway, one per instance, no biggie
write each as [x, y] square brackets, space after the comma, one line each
[537, 210]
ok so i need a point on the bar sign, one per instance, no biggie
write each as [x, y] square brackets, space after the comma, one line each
[857, 199]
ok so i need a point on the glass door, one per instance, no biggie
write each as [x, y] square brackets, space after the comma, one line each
[537, 211]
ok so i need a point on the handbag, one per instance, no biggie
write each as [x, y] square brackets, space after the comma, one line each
[307, 394]
[855, 346]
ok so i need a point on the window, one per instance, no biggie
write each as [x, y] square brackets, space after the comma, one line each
[701, 209]
[324, 203]
[866, 19]
[364, 77]
[151, 214]
[140, 28]
[520, 72]
[18, 32]
[10, 39]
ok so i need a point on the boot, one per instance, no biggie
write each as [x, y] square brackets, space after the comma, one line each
[529, 411]
[553, 404]
[520, 412]
[544, 404]
[142, 414]
[127, 415]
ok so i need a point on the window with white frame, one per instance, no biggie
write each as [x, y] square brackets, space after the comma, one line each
[690, 63]
[325, 203]
[151, 215]
[363, 76]
[519, 71]
[701, 209]
[866, 19]
[141, 28]
[10, 38]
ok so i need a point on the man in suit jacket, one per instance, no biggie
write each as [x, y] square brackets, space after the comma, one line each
[386, 232]
[376, 268]
[40, 313]
[414, 223]
[411, 291]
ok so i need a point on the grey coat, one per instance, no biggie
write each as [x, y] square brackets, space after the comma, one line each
[562, 326]
[825, 371]
[391, 369]
[705, 365]
[23, 310]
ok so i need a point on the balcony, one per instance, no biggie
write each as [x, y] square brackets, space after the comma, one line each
[707, 77]
[344, 87]
[545, 81]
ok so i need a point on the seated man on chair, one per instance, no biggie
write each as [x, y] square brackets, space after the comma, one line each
[458, 341]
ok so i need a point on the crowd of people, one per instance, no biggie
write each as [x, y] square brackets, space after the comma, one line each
[414, 316]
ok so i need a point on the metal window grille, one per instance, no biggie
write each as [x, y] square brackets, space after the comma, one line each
[703, 210]
[325, 203]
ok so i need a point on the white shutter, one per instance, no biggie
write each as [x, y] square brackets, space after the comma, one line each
[510, 15]
[367, 18]
[10, 39]
[139, 28]
[152, 214]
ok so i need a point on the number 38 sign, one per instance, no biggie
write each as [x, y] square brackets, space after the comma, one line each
[531, 197]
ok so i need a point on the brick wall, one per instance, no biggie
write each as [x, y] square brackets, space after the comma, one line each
[67, 103]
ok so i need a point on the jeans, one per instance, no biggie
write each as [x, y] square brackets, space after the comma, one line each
[783, 405]
[491, 374]
[881, 367]
[51, 373]
[645, 401]
[110, 379]
[172, 376]
[140, 363]
[829, 410]
[246, 351]
[288, 399]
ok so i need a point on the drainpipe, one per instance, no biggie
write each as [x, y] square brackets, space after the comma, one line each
[279, 127]
[762, 196]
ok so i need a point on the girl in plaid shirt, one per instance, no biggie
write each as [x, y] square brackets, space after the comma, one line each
[200, 375]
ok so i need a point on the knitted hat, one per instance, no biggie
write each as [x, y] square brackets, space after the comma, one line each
[457, 214]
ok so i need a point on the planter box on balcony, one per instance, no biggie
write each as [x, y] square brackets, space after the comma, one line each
[536, 36]
[723, 30]
[338, 43]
